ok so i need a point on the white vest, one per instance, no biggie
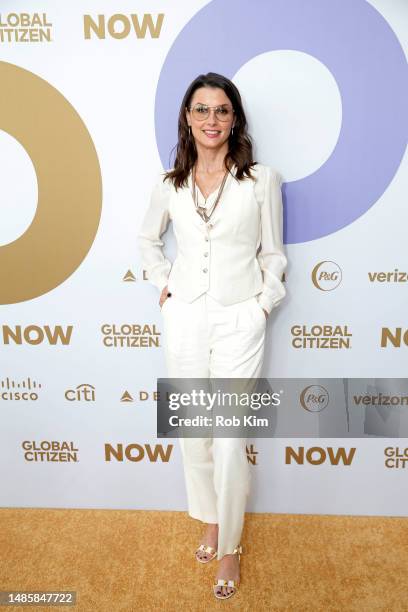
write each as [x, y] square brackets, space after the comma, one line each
[219, 257]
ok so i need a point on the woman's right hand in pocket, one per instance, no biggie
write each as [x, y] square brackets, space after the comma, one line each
[163, 296]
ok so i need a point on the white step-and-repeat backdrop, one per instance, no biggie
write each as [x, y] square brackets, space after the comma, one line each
[89, 96]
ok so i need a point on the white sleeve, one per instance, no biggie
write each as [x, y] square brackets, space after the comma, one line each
[154, 224]
[271, 257]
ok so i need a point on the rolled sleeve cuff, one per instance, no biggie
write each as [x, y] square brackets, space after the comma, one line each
[269, 300]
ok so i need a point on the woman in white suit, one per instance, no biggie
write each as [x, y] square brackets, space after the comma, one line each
[215, 297]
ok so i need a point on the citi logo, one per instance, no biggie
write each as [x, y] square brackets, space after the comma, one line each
[81, 393]
[120, 26]
[34, 334]
[314, 398]
[326, 275]
[317, 455]
[395, 338]
[138, 452]
[388, 277]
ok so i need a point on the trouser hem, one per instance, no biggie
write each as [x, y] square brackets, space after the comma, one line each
[203, 519]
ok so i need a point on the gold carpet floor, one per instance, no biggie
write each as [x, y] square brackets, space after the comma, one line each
[130, 560]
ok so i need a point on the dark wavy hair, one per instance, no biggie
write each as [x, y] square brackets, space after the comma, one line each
[240, 143]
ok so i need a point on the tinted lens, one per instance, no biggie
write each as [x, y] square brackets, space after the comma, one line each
[223, 113]
[200, 111]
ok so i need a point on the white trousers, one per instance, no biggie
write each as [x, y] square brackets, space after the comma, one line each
[205, 339]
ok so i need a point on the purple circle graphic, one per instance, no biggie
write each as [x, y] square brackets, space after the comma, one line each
[354, 41]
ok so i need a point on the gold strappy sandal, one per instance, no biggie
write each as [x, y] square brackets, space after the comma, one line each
[207, 549]
[228, 583]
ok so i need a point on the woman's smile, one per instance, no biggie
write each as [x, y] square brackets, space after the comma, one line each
[212, 133]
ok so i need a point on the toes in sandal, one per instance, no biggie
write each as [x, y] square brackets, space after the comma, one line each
[209, 550]
[218, 584]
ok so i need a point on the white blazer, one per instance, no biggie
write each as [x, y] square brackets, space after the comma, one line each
[219, 257]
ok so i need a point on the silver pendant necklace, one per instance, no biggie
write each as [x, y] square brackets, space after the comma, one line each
[201, 210]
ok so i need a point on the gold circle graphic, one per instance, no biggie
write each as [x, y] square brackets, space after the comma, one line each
[316, 270]
[69, 186]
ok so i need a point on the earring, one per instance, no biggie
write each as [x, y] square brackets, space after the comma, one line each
[189, 130]
[232, 131]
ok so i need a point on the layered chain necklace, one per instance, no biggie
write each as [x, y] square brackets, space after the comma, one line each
[201, 210]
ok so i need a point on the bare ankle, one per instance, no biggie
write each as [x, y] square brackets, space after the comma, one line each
[213, 526]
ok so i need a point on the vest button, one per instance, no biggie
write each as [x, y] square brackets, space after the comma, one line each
[205, 254]
[205, 270]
